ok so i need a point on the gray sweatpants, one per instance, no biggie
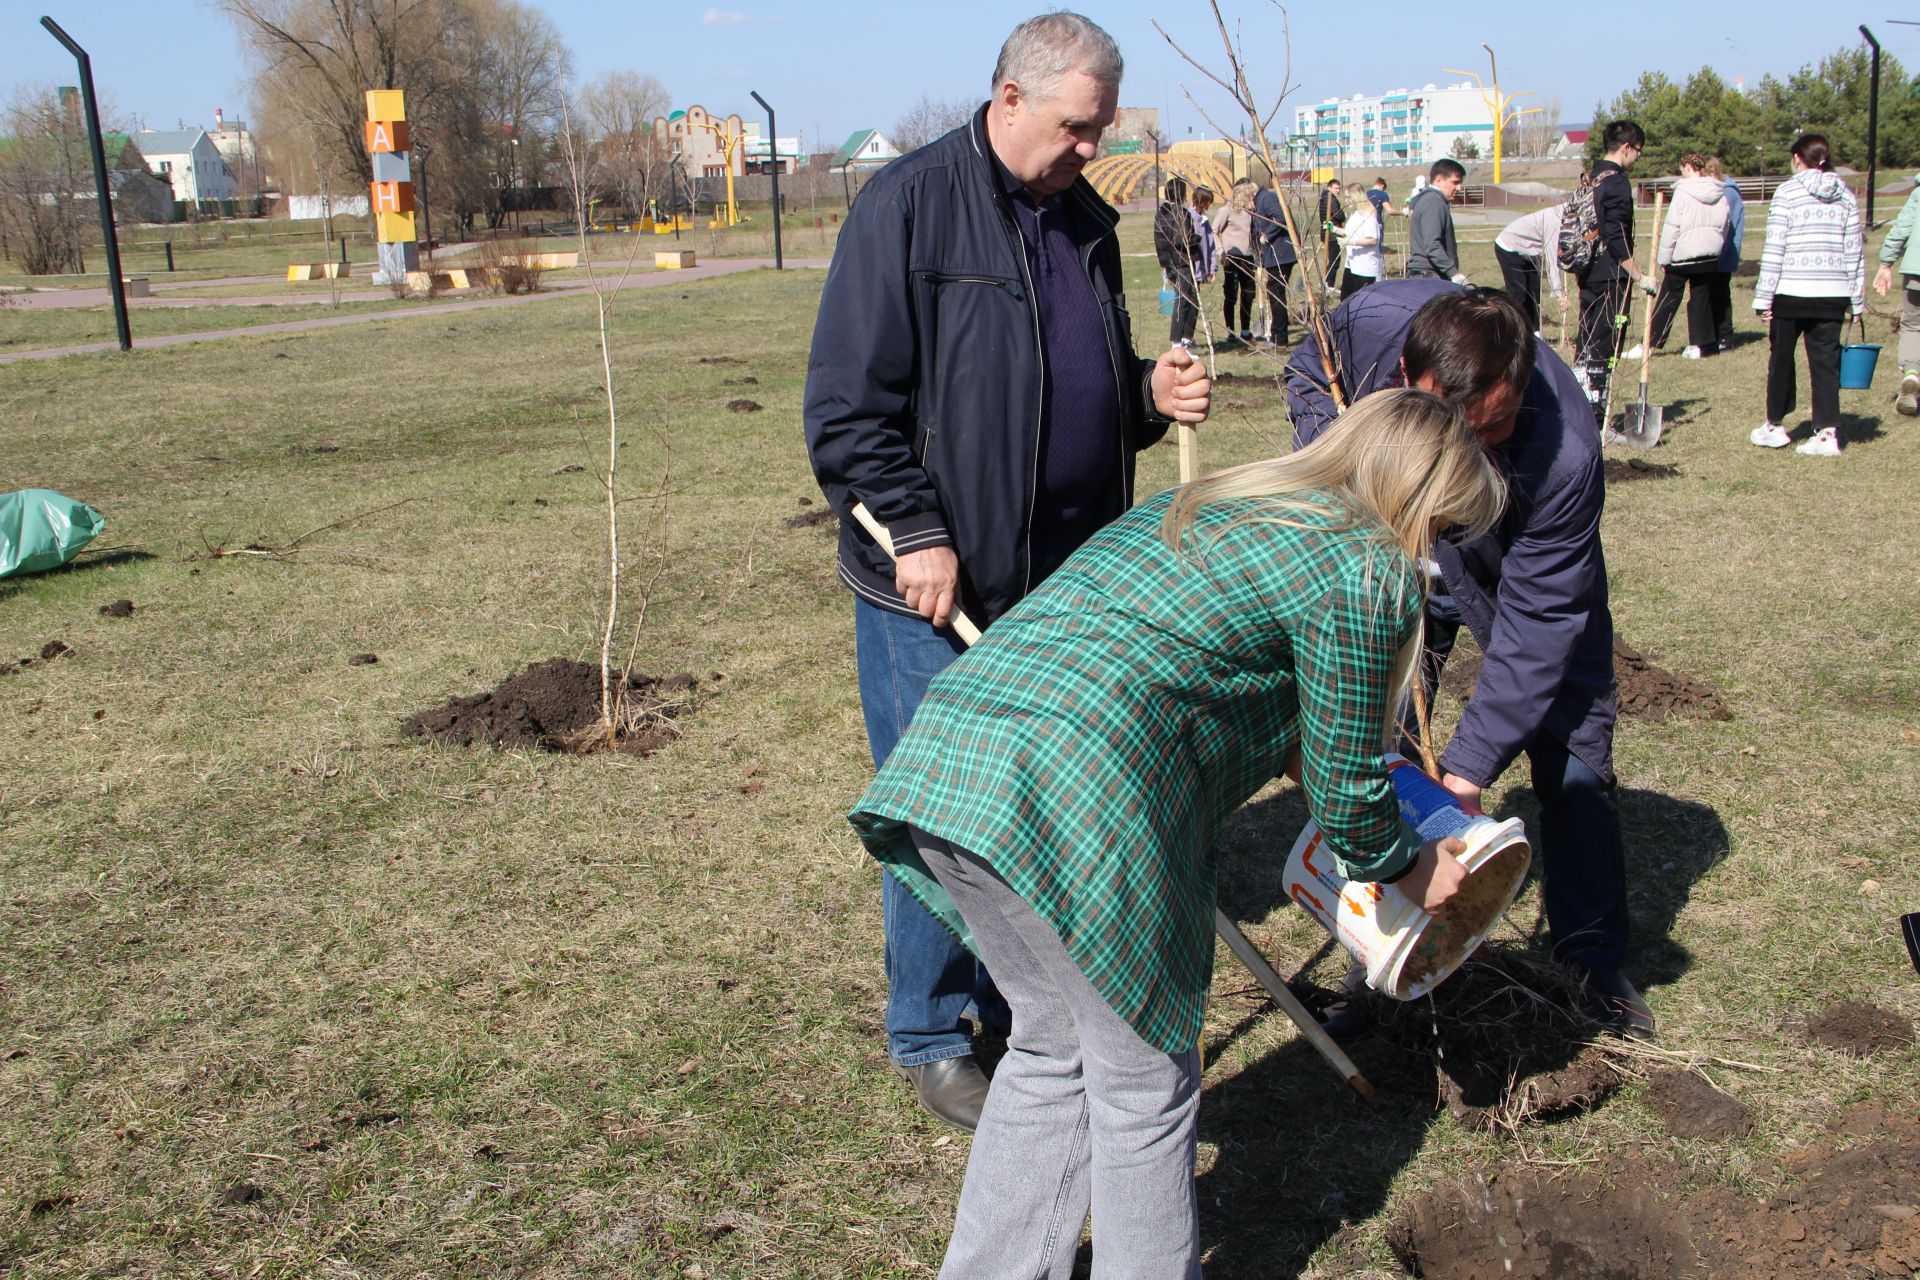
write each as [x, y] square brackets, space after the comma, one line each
[1083, 1114]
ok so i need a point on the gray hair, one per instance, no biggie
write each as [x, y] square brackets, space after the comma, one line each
[1041, 51]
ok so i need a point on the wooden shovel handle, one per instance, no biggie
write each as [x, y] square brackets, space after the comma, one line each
[1646, 340]
[962, 625]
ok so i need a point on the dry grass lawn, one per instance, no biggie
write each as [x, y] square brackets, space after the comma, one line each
[284, 994]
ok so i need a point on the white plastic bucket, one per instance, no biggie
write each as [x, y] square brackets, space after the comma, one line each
[1406, 951]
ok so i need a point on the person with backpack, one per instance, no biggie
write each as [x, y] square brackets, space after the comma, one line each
[1597, 247]
[1432, 250]
[1903, 248]
[1813, 275]
[1177, 245]
[1691, 238]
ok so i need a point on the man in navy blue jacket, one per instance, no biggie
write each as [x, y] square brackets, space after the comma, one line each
[1277, 255]
[973, 383]
[1533, 591]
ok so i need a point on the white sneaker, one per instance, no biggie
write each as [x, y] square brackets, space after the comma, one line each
[1768, 436]
[1825, 444]
[1638, 351]
[1907, 402]
[1692, 353]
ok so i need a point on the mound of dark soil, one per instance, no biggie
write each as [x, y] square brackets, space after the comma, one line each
[720, 360]
[1627, 470]
[555, 706]
[1655, 693]
[118, 609]
[1645, 691]
[1860, 1029]
[1511, 1041]
[743, 406]
[748, 381]
[1544, 1225]
[48, 652]
[812, 519]
[1846, 1210]
[1692, 1108]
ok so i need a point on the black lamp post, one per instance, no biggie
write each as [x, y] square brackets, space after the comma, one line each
[1873, 124]
[773, 135]
[105, 198]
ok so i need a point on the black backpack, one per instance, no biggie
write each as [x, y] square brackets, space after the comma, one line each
[1580, 228]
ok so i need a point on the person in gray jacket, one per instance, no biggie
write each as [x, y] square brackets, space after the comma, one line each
[1432, 250]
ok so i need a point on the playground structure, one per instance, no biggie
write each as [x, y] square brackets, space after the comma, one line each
[1117, 178]
[1499, 105]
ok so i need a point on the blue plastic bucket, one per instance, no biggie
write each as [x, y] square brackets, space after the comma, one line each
[1856, 364]
[1166, 307]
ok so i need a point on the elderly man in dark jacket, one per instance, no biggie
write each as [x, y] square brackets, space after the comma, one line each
[1533, 591]
[973, 383]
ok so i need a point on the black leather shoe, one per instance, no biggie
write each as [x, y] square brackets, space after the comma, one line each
[1348, 1017]
[1619, 1005]
[953, 1089]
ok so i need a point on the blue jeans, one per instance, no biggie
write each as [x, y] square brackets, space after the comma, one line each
[931, 978]
[1583, 880]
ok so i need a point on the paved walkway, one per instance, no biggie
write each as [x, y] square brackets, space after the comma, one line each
[640, 280]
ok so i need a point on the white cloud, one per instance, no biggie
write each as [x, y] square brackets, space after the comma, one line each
[724, 18]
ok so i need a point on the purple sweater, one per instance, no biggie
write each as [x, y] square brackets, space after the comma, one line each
[1080, 398]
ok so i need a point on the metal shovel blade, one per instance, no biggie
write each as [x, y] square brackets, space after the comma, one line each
[1641, 424]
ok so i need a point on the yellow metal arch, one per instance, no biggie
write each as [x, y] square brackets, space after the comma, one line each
[1116, 178]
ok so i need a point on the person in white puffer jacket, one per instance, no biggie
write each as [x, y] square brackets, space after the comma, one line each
[1691, 238]
[1813, 275]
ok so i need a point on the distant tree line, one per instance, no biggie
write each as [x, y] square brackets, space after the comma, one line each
[1750, 131]
[488, 95]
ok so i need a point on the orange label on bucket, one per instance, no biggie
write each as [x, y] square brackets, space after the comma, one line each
[1301, 896]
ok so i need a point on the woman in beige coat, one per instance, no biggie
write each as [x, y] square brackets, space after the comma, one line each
[1690, 243]
[1233, 228]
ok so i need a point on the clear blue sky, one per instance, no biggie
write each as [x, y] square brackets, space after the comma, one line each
[830, 68]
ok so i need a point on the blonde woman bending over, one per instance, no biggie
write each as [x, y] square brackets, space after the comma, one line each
[1055, 802]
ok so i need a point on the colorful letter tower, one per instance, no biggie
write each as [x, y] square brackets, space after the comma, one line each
[392, 191]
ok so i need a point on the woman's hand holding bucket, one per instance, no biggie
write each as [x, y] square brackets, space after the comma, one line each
[1437, 874]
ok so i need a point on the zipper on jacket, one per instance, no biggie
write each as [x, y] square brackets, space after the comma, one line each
[1039, 407]
[940, 278]
[1119, 386]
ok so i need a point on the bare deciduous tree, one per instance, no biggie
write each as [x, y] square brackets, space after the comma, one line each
[46, 183]
[479, 75]
[627, 160]
[928, 119]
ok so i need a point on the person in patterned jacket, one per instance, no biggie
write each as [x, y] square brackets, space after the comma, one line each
[1055, 801]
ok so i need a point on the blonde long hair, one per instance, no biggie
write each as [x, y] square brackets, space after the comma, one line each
[1399, 464]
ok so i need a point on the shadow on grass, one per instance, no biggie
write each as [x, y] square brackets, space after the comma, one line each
[1670, 843]
[12, 587]
[1301, 1157]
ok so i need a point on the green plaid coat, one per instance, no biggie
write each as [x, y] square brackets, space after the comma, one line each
[1090, 745]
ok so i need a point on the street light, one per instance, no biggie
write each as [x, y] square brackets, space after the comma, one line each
[1499, 105]
[513, 181]
[773, 135]
[116, 287]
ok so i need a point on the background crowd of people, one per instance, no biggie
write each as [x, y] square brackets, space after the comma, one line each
[1812, 278]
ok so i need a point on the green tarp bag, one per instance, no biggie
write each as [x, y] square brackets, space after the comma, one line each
[41, 530]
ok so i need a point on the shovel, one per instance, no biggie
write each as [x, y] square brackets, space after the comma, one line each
[1641, 424]
[1229, 932]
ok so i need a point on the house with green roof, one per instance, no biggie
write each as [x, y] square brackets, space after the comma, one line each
[866, 149]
